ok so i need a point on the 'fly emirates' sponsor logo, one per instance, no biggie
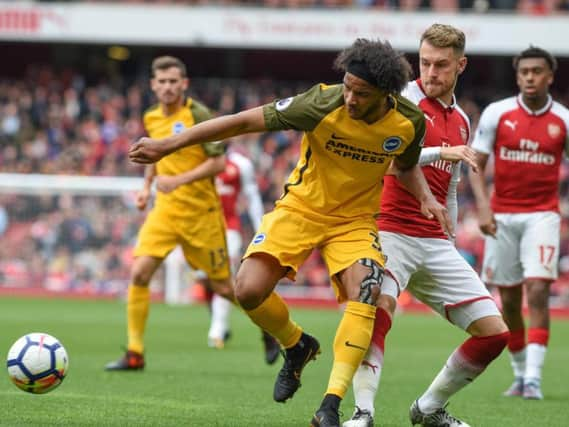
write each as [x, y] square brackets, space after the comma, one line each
[528, 153]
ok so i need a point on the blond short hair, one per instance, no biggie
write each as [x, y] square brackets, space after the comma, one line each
[441, 35]
[165, 62]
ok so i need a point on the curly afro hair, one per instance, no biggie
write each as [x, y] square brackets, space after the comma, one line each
[390, 68]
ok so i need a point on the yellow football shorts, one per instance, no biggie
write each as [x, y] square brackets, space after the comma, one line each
[290, 236]
[202, 239]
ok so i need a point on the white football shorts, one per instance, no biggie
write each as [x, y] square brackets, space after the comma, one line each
[437, 275]
[526, 247]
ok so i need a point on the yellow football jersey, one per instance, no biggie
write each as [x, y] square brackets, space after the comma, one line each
[199, 196]
[342, 163]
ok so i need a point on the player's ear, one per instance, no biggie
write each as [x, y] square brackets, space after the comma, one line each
[550, 78]
[186, 83]
[462, 64]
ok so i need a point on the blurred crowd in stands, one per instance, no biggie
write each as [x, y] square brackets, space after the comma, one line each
[537, 7]
[56, 123]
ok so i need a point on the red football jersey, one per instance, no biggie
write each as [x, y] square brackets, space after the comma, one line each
[239, 177]
[447, 125]
[528, 147]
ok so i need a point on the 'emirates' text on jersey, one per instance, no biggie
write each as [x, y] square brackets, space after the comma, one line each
[342, 161]
[199, 196]
[445, 126]
[528, 147]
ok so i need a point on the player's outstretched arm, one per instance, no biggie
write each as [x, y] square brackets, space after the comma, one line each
[211, 167]
[148, 150]
[486, 220]
[414, 181]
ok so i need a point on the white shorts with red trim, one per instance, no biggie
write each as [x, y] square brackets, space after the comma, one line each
[436, 274]
[526, 247]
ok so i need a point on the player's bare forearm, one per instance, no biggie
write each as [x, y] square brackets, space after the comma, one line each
[460, 152]
[486, 220]
[413, 180]
[220, 128]
[149, 174]
[211, 167]
[478, 181]
[148, 150]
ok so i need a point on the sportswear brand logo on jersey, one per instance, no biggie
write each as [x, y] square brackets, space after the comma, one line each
[511, 124]
[431, 119]
[283, 104]
[259, 238]
[349, 344]
[391, 144]
[334, 136]
[178, 128]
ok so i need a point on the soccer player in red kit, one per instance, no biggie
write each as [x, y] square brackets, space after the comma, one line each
[527, 135]
[421, 257]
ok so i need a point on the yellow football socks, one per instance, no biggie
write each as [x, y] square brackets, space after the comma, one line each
[272, 316]
[138, 303]
[350, 345]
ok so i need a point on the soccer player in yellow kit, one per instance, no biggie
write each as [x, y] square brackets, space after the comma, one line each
[352, 133]
[190, 216]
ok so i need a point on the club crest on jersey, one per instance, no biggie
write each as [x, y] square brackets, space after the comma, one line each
[259, 238]
[553, 130]
[178, 128]
[283, 104]
[463, 134]
[391, 144]
[231, 171]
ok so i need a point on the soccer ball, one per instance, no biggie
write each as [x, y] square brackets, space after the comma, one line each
[37, 363]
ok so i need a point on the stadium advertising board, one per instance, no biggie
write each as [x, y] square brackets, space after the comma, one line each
[269, 28]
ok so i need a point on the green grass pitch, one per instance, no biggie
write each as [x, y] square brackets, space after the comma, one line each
[188, 384]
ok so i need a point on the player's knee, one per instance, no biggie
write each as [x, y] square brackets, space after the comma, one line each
[489, 326]
[247, 294]
[387, 303]
[370, 286]
[538, 295]
[140, 276]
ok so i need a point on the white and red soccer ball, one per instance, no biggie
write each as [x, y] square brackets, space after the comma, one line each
[37, 363]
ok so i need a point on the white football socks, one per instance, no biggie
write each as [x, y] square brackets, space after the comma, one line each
[220, 309]
[535, 356]
[366, 379]
[518, 362]
[456, 374]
